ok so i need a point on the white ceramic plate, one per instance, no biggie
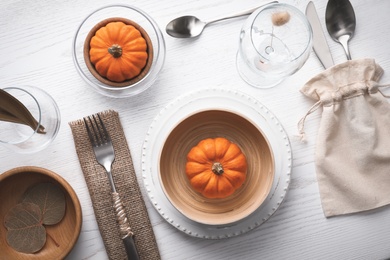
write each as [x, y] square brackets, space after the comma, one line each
[215, 99]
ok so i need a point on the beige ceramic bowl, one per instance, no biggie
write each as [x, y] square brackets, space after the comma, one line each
[13, 184]
[91, 67]
[237, 129]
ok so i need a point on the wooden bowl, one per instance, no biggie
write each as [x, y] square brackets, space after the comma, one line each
[91, 67]
[13, 184]
[237, 129]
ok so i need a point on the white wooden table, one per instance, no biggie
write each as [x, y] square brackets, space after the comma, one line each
[35, 49]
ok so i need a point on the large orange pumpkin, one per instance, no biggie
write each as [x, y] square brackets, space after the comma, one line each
[118, 51]
[216, 167]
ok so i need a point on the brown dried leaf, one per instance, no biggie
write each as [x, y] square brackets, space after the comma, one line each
[25, 231]
[50, 199]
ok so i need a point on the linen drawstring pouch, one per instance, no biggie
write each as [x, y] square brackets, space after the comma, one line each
[353, 144]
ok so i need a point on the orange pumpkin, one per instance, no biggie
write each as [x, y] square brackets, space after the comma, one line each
[118, 51]
[216, 167]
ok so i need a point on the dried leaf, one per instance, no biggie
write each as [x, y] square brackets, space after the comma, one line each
[50, 199]
[21, 114]
[25, 231]
[43, 203]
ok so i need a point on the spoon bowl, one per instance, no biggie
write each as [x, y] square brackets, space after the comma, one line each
[185, 27]
[340, 22]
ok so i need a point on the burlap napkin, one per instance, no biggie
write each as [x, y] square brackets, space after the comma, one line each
[126, 184]
[352, 149]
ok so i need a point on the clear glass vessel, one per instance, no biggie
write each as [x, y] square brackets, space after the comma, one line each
[275, 42]
[142, 19]
[22, 138]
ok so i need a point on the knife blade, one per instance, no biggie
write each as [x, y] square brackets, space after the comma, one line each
[320, 45]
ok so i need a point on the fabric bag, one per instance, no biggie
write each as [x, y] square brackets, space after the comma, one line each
[353, 143]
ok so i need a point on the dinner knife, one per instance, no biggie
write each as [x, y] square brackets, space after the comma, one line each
[320, 45]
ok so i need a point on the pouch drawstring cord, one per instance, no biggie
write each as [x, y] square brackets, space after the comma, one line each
[301, 123]
[383, 86]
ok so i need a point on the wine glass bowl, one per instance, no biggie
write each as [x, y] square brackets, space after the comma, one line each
[275, 42]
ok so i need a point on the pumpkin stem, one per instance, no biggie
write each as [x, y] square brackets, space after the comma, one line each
[115, 50]
[217, 168]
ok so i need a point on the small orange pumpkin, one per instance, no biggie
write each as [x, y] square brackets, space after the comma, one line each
[118, 51]
[216, 167]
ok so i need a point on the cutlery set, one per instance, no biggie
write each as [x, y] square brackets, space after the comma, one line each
[340, 23]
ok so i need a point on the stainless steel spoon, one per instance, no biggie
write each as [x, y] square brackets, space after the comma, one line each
[340, 22]
[190, 26]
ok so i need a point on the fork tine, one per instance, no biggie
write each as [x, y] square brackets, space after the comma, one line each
[89, 131]
[97, 130]
[106, 135]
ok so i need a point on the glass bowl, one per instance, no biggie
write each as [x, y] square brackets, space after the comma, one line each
[143, 20]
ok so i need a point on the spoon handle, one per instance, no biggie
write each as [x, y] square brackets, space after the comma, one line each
[344, 42]
[246, 12]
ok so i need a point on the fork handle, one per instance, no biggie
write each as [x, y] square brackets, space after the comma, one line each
[130, 248]
[124, 227]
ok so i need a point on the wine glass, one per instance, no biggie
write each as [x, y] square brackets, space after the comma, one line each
[21, 138]
[275, 42]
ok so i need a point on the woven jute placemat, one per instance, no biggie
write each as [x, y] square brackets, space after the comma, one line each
[126, 184]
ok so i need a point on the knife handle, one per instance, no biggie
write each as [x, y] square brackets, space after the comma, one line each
[124, 228]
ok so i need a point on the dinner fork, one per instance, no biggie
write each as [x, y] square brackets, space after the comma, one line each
[105, 156]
